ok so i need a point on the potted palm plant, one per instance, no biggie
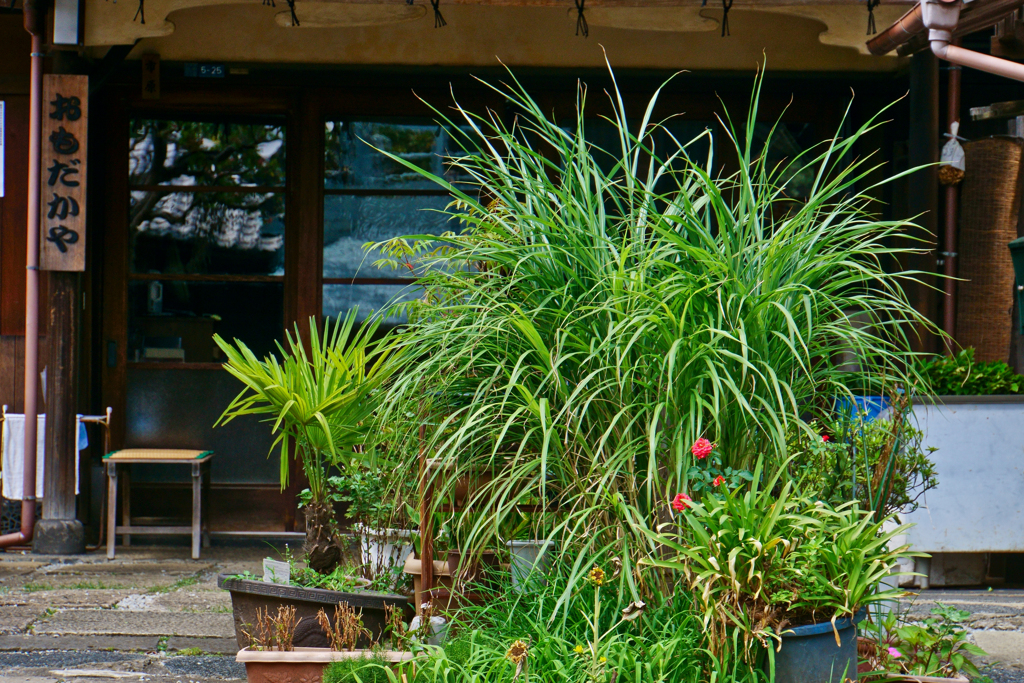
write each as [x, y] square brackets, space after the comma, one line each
[319, 405]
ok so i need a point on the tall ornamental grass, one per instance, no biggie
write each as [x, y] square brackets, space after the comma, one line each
[592, 320]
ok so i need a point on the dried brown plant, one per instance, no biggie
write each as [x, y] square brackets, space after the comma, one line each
[272, 632]
[346, 629]
[395, 627]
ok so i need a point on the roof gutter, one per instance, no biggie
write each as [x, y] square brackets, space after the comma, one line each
[35, 24]
[940, 17]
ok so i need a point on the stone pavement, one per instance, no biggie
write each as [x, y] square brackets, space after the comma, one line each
[153, 615]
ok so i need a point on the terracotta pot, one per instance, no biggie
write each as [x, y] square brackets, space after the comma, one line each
[247, 596]
[467, 485]
[303, 664]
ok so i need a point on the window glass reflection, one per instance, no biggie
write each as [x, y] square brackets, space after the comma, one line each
[351, 221]
[206, 154]
[207, 232]
[353, 160]
[338, 300]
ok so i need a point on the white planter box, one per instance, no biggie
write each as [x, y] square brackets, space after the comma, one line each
[978, 505]
[383, 550]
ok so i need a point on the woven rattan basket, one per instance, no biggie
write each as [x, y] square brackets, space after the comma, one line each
[990, 200]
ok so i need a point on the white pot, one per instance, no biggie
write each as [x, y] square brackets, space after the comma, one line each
[438, 629]
[530, 562]
[383, 550]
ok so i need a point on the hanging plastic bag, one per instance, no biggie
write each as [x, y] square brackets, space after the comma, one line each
[951, 172]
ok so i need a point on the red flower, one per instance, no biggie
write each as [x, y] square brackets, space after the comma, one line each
[702, 448]
[824, 437]
[681, 502]
[719, 480]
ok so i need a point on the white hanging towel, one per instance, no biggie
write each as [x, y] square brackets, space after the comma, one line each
[13, 446]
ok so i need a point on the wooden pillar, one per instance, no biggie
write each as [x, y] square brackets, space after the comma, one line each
[303, 245]
[60, 532]
[923, 185]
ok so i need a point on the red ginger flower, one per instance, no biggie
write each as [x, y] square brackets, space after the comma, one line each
[681, 502]
[719, 480]
[702, 448]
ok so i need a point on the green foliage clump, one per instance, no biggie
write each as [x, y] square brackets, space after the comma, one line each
[458, 650]
[589, 640]
[837, 464]
[960, 375]
[762, 559]
[938, 646]
[365, 669]
[602, 309]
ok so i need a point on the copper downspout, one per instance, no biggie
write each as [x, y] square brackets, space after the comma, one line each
[907, 35]
[35, 23]
[950, 255]
[905, 28]
[941, 17]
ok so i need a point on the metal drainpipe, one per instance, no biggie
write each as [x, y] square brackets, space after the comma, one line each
[940, 17]
[35, 23]
[949, 257]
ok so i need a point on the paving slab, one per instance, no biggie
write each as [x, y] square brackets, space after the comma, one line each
[213, 646]
[66, 598]
[1005, 648]
[18, 618]
[50, 667]
[190, 600]
[170, 567]
[119, 622]
[38, 643]
[63, 659]
[19, 567]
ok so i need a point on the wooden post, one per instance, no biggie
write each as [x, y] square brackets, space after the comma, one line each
[197, 508]
[923, 185]
[60, 532]
[426, 525]
[111, 507]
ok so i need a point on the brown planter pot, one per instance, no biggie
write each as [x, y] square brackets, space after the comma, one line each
[465, 486]
[469, 576]
[247, 596]
[301, 665]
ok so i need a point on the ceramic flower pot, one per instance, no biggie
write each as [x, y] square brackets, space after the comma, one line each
[811, 654]
[247, 596]
[301, 665]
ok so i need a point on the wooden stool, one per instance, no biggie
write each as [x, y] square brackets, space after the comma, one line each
[200, 461]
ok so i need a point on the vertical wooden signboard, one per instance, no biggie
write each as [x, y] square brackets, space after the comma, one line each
[64, 160]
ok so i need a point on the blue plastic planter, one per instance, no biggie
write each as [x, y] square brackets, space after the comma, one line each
[867, 408]
[809, 654]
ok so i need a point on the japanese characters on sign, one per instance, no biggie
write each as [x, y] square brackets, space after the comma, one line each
[64, 160]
